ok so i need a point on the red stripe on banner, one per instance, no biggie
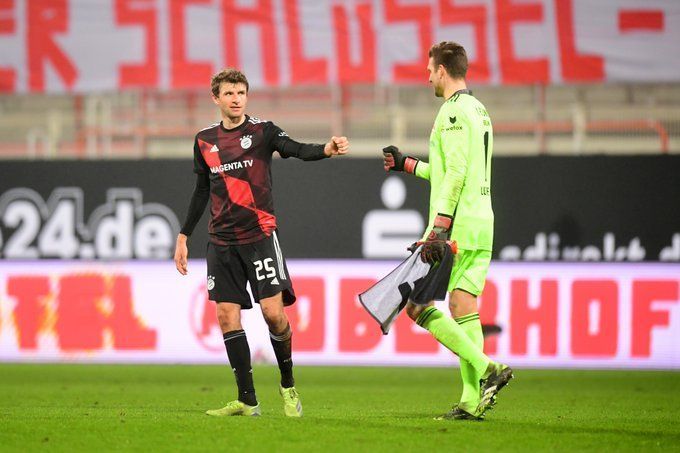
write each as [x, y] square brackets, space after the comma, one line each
[47, 21]
[632, 20]
[476, 16]
[8, 76]
[7, 22]
[141, 15]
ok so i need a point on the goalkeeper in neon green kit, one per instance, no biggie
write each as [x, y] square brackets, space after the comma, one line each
[459, 171]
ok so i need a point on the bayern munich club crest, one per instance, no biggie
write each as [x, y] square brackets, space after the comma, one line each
[246, 141]
[211, 282]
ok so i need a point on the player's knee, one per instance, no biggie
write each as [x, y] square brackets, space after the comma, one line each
[453, 307]
[462, 303]
[229, 317]
[275, 319]
[273, 313]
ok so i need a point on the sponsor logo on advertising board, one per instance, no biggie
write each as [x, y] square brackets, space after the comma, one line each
[551, 315]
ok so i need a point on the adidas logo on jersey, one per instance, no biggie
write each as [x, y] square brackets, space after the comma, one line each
[275, 281]
[214, 149]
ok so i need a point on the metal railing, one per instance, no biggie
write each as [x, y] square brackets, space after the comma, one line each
[130, 125]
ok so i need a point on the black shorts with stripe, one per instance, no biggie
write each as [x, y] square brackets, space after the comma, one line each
[260, 263]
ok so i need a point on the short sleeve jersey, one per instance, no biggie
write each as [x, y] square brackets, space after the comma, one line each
[238, 164]
[459, 170]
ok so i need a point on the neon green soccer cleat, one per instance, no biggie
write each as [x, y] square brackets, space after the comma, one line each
[235, 408]
[292, 406]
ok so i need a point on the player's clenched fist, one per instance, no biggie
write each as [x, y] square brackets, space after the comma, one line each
[337, 146]
[394, 160]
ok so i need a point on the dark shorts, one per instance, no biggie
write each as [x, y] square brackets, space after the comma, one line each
[261, 264]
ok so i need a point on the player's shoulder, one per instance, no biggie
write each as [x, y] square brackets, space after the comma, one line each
[465, 106]
[451, 111]
[208, 130]
[253, 120]
[255, 123]
[471, 104]
[268, 127]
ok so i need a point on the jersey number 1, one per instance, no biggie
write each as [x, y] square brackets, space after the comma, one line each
[486, 155]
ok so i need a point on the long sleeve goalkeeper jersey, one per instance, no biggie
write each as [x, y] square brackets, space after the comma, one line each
[459, 170]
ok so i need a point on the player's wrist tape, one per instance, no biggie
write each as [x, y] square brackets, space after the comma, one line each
[443, 221]
[440, 228]
[410, 164]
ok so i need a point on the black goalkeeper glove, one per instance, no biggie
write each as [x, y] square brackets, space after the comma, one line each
[394, 160]
[434, 248]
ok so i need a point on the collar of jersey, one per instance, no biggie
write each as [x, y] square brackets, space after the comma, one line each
[239, 127]
[463, 91]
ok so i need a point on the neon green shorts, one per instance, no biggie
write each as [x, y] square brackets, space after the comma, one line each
[469, 271]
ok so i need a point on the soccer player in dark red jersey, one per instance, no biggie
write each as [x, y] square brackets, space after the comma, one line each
[232, 160]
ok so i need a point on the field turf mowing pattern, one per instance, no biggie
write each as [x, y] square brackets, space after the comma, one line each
[161, 408]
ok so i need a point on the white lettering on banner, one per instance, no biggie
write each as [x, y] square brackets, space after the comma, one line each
[672, 252]
[552, 315]
[121, 228]
[546, 247]
[164, 44]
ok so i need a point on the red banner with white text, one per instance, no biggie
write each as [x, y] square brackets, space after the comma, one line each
[93, 45]
[551, 315]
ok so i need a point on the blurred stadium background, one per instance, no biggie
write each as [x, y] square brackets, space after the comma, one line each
[99, 104]
[614, 118]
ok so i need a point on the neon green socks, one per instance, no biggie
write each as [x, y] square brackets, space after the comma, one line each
[473, 328]
[447, 331]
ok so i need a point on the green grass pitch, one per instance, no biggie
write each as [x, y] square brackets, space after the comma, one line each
[161, 408]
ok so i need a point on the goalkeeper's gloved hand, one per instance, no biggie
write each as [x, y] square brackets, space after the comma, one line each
[393, 160]
[434, 248]
[413, 247]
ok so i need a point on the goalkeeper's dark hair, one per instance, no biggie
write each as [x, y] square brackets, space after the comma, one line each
[452, 56]
[229, 75]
